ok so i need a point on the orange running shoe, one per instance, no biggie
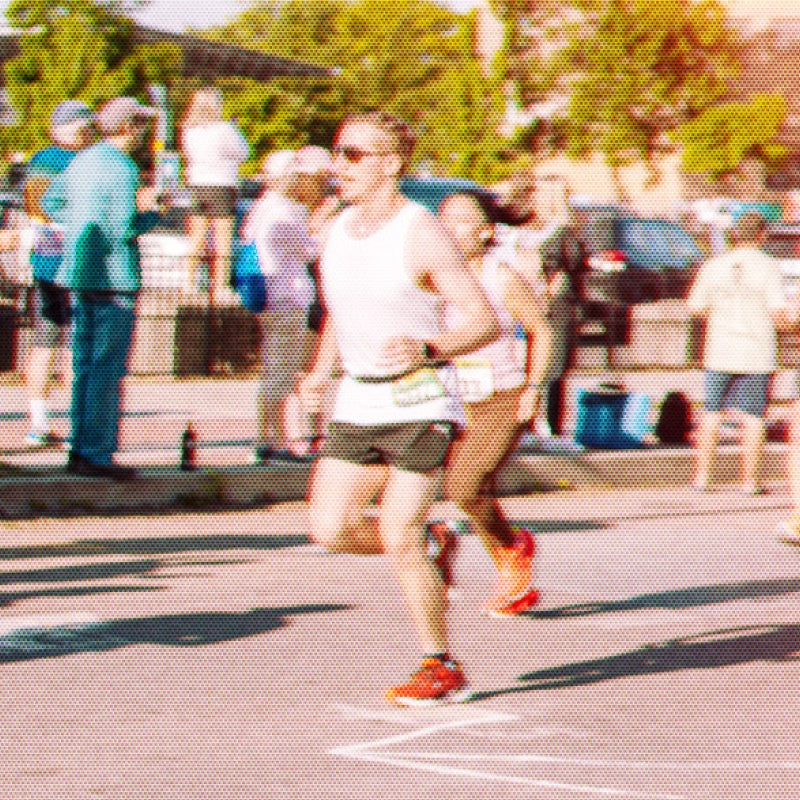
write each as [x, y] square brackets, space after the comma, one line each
[514, 592]
[442, 546]
[435, 684]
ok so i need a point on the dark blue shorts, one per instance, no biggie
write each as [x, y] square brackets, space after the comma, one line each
[746, 392]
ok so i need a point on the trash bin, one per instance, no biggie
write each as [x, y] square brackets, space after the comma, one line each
[8, 335]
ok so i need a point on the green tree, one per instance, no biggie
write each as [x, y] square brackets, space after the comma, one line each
[410, 57]
[74, 49]
[722, 137]
[638, 69]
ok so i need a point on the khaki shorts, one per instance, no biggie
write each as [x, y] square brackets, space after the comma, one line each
[283, 350]
[409, 446]
[214, 201]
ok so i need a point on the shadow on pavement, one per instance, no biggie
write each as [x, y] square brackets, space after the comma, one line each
[154, 545]
[80, 572]
[9, 598]
[179, 630]
[705, 651]
[679, 598]
[561, 525]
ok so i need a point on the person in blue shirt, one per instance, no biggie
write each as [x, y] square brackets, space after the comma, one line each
[95, 199]
[71, 129]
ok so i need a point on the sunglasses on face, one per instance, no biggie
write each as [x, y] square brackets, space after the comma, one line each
[355, 154]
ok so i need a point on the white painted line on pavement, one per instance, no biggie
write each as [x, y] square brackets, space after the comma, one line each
[414, 716]
[672, 766]
[369, 752]
[430, 730]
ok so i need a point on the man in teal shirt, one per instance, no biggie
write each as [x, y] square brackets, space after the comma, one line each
[95, 199]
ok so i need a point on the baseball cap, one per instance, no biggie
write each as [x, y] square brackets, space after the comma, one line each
[310, 160]
[120, 110]
[276, 164]
[70, 111]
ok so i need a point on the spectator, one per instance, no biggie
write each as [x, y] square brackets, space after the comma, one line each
[278, 224]
[212, 149]
[71, 129]
[548, 255]
[739, 293]
[95, 199]
[305, 428]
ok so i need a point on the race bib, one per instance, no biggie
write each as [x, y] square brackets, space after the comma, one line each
[421, 386]
[475, 380]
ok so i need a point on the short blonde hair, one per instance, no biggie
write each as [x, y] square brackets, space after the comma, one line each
[402, 136]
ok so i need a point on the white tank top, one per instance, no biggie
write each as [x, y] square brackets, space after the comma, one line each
[495, 366]
[371, 297]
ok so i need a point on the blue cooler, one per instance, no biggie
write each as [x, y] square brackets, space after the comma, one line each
[611, 419]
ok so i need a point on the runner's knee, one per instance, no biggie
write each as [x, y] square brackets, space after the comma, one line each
[327, 531]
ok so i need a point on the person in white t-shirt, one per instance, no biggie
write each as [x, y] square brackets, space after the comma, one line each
[213, 149]
[740, 295]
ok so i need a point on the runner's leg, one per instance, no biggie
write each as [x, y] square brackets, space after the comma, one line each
[340, 495]
[404, 510]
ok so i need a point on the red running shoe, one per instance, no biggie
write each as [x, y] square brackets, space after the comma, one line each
[514, 592]
[436, 683]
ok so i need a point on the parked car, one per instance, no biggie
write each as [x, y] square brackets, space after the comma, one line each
[634, 260]
[430, 191]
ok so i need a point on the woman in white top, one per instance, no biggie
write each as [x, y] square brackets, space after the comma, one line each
[500, 395]
[279, 223]
[213, 149]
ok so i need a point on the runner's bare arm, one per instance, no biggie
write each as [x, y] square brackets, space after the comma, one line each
[435, 263]
[313, 384]
[520, 299]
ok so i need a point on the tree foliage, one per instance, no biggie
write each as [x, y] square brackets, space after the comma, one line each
[74, 49]
[722, 137]
[413, 58]
[638, 69]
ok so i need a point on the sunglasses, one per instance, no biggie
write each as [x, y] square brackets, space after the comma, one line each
[355, 154]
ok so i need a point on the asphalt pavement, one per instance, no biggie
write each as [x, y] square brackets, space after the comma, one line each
[218, 654]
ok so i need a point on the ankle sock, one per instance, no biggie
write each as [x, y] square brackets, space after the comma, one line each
[39, 417]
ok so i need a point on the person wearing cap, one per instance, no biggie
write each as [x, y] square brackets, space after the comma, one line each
[95, 199]
[71, 129]
[278, 224]
[213, 149]
[740, 296]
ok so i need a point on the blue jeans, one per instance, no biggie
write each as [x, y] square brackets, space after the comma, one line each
[102, 333]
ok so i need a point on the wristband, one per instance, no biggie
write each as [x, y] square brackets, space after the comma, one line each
[430, 352]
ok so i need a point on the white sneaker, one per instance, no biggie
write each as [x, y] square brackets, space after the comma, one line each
[543, 429]
[39, 439]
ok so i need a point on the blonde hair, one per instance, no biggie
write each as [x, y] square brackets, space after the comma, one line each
[205, 108]
[402, 136]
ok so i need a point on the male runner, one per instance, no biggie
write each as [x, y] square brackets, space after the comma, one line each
[386, 269]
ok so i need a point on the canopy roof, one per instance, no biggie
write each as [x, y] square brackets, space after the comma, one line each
[215, 59]
[204, 58]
